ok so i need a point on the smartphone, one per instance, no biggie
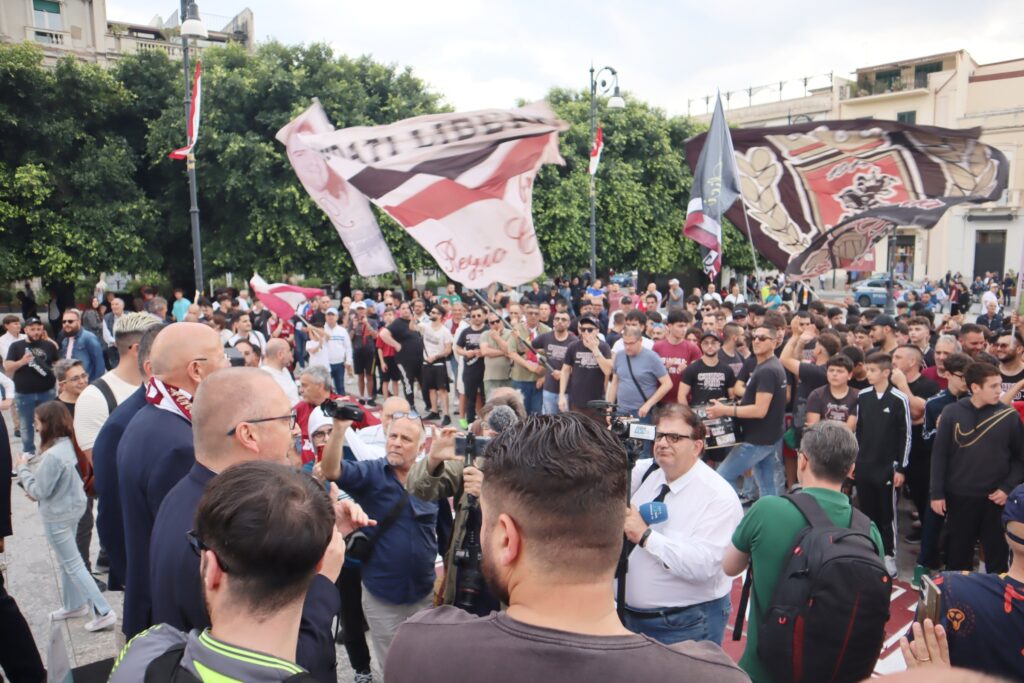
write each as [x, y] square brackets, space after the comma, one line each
[929, 605]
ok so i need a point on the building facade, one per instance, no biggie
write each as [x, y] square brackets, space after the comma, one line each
[949, 90]
[81, 29]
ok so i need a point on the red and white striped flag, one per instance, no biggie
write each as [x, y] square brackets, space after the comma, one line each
[193, 115]
[460, 183]
[284, 300]
[595, 151]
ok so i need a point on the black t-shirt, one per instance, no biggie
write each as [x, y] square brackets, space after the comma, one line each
[707, 382]
[828, 407]
[922, 387]
[859, 384]
[554, 352]
[69, 406]
[733, 360]
[412, 342]
[811, 376]
[587, 380]
[1010, 380]
[37, 376]
[469, 340]
[768, 377]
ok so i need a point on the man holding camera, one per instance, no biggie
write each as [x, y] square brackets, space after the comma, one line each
[551, 534]
[315, 387]
[398, 556]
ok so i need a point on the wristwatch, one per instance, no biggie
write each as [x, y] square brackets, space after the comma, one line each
[644, 536]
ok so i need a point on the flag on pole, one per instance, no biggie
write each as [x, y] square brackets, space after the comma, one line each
[193, 115]
[715, 188]
[595, 151]
[461, 184]
[283, 300]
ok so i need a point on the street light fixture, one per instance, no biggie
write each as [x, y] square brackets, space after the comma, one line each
[599, 85]
[192, 27]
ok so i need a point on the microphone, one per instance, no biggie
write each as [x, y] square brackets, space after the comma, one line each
[501, 418]
[654, 513]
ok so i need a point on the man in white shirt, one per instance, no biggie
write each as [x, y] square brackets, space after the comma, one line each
[712, 295]
[339, 348]
[675, 587]
[242, 326]
[12, 333]
[437, 347]
[991, 295]
[276, 360]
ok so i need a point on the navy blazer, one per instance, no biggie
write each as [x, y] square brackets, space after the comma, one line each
[154, 454]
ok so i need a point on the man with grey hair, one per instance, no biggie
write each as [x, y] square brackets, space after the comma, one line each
[945, 346]
[315, 387]
[110, 320]
[825, 459]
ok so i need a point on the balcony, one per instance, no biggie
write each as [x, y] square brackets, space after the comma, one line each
[46, 36]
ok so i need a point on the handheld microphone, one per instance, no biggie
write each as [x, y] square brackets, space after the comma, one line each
[501, 418]
[654, 513]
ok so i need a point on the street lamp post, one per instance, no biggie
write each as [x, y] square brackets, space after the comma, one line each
[615, 102]
[192, 27]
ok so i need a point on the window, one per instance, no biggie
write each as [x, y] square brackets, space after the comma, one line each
[907, 117]
[886, 81]
[47, 14]
[921, 72]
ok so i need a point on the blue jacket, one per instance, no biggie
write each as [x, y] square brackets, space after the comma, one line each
[154, 454]
[177, 588]
[109, 522]
[87, 349]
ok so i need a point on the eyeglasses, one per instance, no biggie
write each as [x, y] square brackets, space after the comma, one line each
[77, 378]
[761, 337]
[292, 421]
[198, 547]
[958, 375]
[411, 415]
[494, 322]
[203, 358]
[321, 434]
[672, 438]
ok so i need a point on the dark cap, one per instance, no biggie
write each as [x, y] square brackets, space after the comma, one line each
[1013, 511]
[32, 321]
[740, 312]
[626, 300]
[883, 320]
[587, 320]
[711, 334]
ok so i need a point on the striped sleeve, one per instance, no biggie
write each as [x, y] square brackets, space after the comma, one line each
[906, 415]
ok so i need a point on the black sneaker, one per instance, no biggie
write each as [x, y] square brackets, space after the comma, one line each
[371, 403]
[432, 416]
[446, 421]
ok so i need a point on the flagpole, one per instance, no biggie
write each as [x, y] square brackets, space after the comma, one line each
[193, 211]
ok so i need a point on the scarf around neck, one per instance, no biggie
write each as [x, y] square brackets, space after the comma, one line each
[170, 398]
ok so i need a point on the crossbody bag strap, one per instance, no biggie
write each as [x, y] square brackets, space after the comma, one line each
[629, 364]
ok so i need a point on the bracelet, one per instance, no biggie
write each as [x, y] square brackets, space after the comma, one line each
[644, 536]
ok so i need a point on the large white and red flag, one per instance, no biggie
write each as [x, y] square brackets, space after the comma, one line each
[283, 300]
[595, 151]
[460, 184]
[193, 114]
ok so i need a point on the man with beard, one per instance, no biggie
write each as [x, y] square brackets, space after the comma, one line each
[552, 347]
[30, 362]
[1009, 351]
[945, 346]
[467, 345]
[708, 378]
[551, 557]
[404, 337]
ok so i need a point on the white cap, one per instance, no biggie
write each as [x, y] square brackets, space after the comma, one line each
[359, 304]
[317, 419]
[332, 311]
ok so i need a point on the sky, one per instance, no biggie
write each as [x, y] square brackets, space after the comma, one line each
[482, 54]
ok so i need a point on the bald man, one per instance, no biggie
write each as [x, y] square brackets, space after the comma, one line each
[156, 450]
[276, 359]
[239, 415]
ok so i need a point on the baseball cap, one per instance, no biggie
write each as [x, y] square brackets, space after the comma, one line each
[332, 311]
[711, 334]
[739, 312]
[626, 300]
[883, 320]
[359, 304]
[587, 320]
[1013, 511]
[32, 321]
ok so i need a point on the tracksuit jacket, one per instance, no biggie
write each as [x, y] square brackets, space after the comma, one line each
[883, 434]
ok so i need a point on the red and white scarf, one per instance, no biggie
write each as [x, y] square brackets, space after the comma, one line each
[170, 398]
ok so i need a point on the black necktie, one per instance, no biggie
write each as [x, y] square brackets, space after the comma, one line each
[662, 493]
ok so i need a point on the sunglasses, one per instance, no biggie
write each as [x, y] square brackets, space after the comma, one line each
[198, 547]
[70, 321]
[588, 329]
[494, 322]
[761, 337]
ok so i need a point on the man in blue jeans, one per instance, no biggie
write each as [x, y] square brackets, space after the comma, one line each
[30, 363]
[761, 413]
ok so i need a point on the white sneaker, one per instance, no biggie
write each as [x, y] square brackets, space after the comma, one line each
[62, 614]
[890, 566]
[103, 622]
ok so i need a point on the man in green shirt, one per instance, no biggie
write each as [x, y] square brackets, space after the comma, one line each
[766, 535]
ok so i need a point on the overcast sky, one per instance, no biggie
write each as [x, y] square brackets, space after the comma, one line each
[481, 54]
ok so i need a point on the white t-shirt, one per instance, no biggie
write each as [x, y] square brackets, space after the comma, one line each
[713, 295]
[339, 344]
[736, 299]
[285, 380]
[434, 341]
[91, 408]
[5, 343]
[255, 338]
[318, 354]
[8, 387]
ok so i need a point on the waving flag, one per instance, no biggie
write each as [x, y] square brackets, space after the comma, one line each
[595, 152]
[715, 188]
[281, 299]
[819, 195]
[459, 183]
[193, 115]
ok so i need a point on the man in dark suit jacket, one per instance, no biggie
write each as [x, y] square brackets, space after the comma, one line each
[156, 450]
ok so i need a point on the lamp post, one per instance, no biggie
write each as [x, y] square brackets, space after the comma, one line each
[192, 27]
[615, 102]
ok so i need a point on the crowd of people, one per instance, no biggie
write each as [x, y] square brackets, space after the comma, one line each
[593, 463]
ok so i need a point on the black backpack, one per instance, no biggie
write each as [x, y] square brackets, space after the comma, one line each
[166, 669]
[826, 620]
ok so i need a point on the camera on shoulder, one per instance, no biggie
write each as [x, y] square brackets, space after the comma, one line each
[343, 410]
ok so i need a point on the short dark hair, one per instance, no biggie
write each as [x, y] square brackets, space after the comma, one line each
[637, 317]
[756, 309]
[834, 311]
[971, 328]
[840, 360]
[830, 342]
[977, 373]
[957, 362]
[564, 480]
[8, 319]
[679, 317]
[830, 448]
[693, 299]
[270, 525]
[684, 413]
[879, 358]
[919, 320]
[854, 353]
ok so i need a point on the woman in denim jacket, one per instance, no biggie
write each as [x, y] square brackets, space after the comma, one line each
[52, 478]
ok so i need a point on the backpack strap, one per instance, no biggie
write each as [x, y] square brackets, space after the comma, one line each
[104, 388]
[166, 668]
[809, 508]
[649, 472]
[860, 522]
[741, 609]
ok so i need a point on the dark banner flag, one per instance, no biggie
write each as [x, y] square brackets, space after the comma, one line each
[819, 195]
[715, 188]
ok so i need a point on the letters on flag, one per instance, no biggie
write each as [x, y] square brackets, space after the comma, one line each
[193, 115]
[460, 183]
[595, 152]
[283, 300]
[819, 195]
[715, 188]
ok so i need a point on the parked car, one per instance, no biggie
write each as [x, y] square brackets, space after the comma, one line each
[873, 291]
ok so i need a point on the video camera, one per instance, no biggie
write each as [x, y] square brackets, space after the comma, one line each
[627, 428]
[343, 410]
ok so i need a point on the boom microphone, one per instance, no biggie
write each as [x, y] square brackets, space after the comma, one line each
[501, 418]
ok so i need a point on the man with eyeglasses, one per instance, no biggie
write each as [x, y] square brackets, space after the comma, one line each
[240, 415]
[156, 450]
[81, 344]
[587, 367]
[761, 411]
[494, 345]
[71, 381]
[675, 587]
[551, 347]
[467, 346]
